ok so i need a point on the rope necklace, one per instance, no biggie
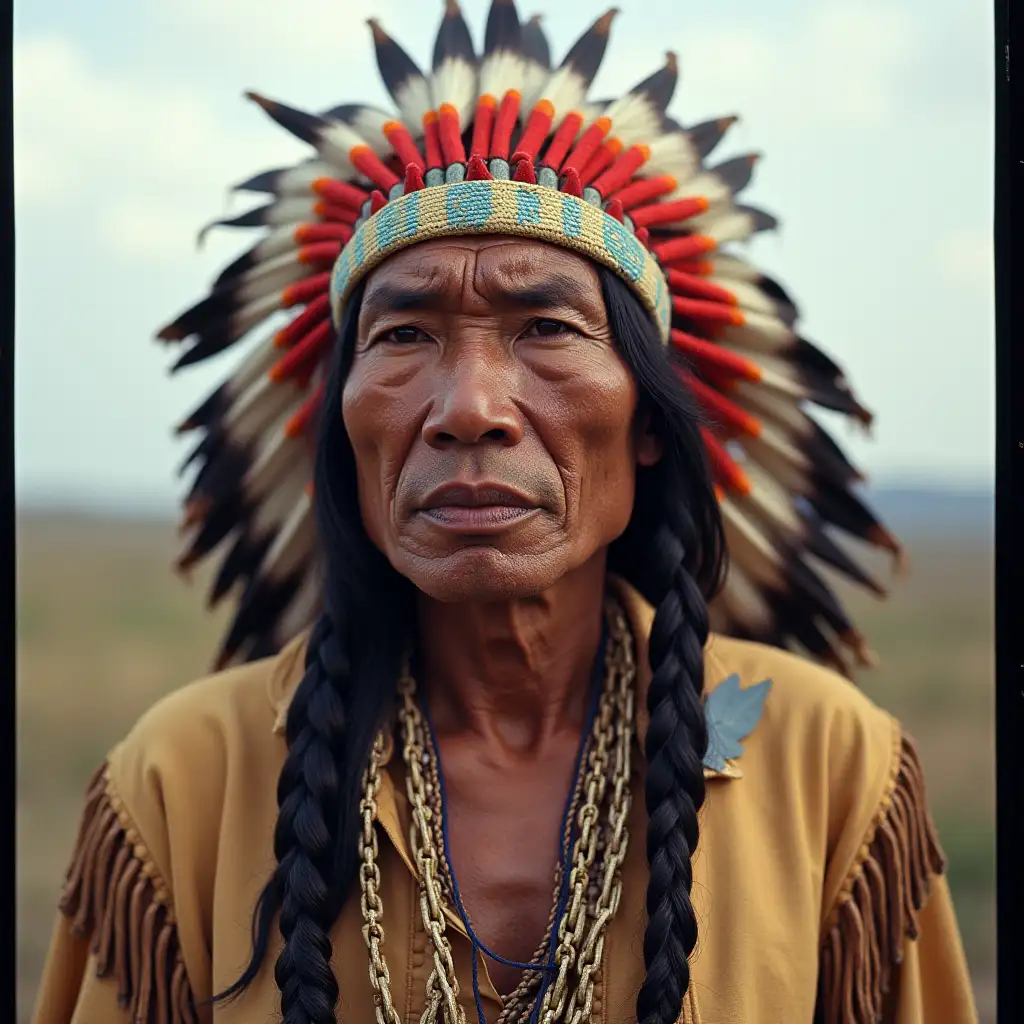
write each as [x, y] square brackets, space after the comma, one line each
[598, 851]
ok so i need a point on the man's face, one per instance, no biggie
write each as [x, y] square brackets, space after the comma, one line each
[492, 419]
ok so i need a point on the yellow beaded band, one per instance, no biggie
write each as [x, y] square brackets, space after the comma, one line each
[502, 207]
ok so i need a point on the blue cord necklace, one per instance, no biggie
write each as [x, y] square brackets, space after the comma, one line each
[568, 832]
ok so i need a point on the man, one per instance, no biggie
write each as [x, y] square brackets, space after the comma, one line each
[516, 778]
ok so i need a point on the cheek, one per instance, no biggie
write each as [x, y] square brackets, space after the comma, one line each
[377, 418]
[593, 441]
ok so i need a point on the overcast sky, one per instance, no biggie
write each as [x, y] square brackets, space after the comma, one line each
[875, 118]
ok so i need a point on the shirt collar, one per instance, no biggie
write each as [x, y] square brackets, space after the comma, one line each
[289, 668]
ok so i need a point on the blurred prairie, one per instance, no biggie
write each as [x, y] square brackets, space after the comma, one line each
[104, 629]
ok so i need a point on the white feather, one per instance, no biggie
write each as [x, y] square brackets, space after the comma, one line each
[725, 225]
[501, 71]
[761, 333]
[295, 542]
[280, 458]
[565, 90]
[259, 406]
[454, 82]
[303, 608]
[414, 101]
[743, 601]
[369, 123]
[750, 547]
[335, 141]
[270, 277]
[634, 119]
[672, 153]
[257, 363]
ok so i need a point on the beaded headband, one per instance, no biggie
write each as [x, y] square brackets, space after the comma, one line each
[503, 143]
[496, 207]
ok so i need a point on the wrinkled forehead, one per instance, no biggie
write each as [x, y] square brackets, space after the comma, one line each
[497, 272]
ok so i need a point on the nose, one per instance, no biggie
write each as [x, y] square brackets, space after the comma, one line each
[473, 405]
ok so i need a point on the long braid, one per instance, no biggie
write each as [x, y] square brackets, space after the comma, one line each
[674, 787]
[309, 798]
[674, 552]
[345, 696]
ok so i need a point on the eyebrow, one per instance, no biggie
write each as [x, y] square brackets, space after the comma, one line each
[559, 290]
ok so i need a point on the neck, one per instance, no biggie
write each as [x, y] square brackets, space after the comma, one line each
[514, 673]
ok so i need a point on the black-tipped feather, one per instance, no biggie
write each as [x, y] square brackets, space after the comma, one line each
[265, 182]
[214, 307]
[241, 564]
[708, 134]
[844, 509]
[661, 86]
[534, 43]
[208, 412]
[216, 525]
[254, 218]
[503, 31]
[762, 219]
[453, 40]
[258, 611]
[588, 51]
[396, 67]
[302, 124]
[822, 546]
[737, 172]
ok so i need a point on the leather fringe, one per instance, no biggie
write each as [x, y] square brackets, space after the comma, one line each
[879, 905]
[114, 897]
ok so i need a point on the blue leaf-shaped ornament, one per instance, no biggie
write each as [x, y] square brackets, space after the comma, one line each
[732, 714]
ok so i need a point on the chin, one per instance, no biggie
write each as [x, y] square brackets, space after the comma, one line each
[483, 574]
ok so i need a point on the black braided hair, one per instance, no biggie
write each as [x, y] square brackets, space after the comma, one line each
[345, 696]
[672, 551]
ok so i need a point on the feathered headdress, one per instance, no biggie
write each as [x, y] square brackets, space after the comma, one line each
[505, 143]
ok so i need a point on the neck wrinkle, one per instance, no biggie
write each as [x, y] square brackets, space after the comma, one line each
[514, 673]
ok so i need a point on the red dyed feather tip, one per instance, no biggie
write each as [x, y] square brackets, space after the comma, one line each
[476, 170]
[524, 169]
[614, 209]
[413, 178]
[571, 185]
[377, 201]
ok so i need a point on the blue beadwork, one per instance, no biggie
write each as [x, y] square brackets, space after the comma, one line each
[572, 218]
[623, 248]
[359, 249]
[388, 225]
[527, 207]
[468, 204]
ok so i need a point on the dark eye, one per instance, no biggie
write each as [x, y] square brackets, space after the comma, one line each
[548, 328]
[403, 335]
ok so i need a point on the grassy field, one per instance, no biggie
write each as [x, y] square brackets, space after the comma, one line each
[104, 629]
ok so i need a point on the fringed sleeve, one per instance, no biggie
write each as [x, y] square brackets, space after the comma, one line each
[117, 925]
[891, 950]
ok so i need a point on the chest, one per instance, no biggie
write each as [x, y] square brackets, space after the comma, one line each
[506, 831]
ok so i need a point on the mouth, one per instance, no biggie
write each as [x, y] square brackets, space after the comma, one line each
[478, 508]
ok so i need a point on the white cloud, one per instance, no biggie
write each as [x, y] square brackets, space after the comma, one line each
[840, 63]
[303, 31]
[139, 226]
[110, 146]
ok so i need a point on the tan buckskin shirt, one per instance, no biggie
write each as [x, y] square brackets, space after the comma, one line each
[817, 864]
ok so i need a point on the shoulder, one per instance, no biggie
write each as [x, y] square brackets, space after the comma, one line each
[820, 739]
[208, 746]
[803, 694]
[191, 787]
[198, 727]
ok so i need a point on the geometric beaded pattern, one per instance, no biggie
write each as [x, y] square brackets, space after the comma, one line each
[502, 207]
